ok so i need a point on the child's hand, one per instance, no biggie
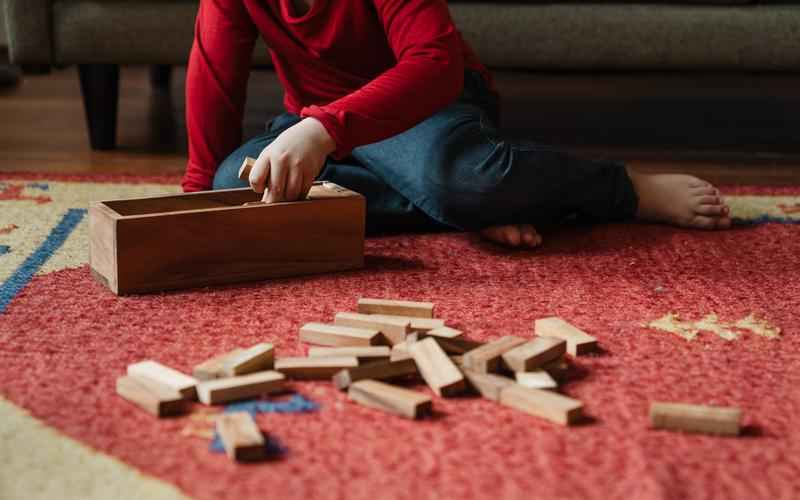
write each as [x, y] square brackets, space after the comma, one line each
[289, 165]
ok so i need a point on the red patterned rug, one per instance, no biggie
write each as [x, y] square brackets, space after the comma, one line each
[64, 339]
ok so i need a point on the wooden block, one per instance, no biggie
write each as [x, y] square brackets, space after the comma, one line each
[151, 396]
[159, 243]
[417, 324]
[535, 353]
[545, 404]
[394, 329]
[241, 437]
[696, 418]
[486, 358]
[214, 367]
[223, 390]
[455, 345]
[258, 358]
[165, 375]
[558, 368]
[578, 341]
[537, 379]
[391, 399]
[339, 336]
[377, 371]
[396, 307]
[254, 203]
[446, 332]
[247, 166]
[487, 385]
[439, 372]
[314, 368]
[369, 354]
[400, 352]
[458, 361]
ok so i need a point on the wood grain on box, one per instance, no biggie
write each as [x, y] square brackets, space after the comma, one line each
[208, 238]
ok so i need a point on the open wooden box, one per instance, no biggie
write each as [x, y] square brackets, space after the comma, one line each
[209, 238]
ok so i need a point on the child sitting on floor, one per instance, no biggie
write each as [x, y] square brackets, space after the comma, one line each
[384, 97]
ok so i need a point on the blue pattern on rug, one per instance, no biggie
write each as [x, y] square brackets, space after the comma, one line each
[274, 449]
[25, 272]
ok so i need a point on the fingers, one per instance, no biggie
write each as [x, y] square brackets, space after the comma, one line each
[294, 184]
[260, 173]
[278, 176]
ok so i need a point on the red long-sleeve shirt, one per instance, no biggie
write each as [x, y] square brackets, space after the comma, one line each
[366, 69]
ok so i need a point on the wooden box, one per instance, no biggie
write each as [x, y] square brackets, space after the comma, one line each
[210, 238]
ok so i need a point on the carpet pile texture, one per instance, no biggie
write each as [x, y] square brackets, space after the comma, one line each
[64, 339]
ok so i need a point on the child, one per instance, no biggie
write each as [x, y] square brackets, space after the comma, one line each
[384, 97]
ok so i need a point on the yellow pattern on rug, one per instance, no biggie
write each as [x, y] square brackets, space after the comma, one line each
[39, 463]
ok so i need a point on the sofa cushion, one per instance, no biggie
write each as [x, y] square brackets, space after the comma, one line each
[531, 36]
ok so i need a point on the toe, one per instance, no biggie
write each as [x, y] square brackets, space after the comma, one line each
[529, 235]
[708, 199]
[703, 222]
[723, 223]
[703, 191]
[695, 182]
[511, 236]
[717, 210]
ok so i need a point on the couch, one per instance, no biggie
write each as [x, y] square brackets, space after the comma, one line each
[100, 35]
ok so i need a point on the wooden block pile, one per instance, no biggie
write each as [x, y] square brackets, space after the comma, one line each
[371, 351]
[387, 342]
[239, 374]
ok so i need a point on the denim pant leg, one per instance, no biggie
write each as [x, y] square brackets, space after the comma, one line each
[457, 169]
[387, 210]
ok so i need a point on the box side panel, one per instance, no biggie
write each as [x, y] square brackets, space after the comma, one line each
[181, 250]
[102, 245]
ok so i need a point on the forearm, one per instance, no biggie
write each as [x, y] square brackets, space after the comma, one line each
[216, 85]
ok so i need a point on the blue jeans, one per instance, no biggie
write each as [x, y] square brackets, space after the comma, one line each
[454, 170]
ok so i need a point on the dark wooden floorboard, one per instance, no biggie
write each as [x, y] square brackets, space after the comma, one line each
[731, 129]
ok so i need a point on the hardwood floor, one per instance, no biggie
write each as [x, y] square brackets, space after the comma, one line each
[730, 129]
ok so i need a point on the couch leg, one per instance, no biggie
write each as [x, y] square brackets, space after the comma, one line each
[100, 89]
[160, 76]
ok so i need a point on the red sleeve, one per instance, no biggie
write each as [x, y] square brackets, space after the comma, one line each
[428, 76]
[216, 87]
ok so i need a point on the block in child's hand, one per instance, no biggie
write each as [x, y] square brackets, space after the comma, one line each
[391, 399]
[241, 437]
[395, 307]
[247, 166]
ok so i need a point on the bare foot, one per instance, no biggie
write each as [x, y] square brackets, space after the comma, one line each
[681, 200]
[513, 235]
